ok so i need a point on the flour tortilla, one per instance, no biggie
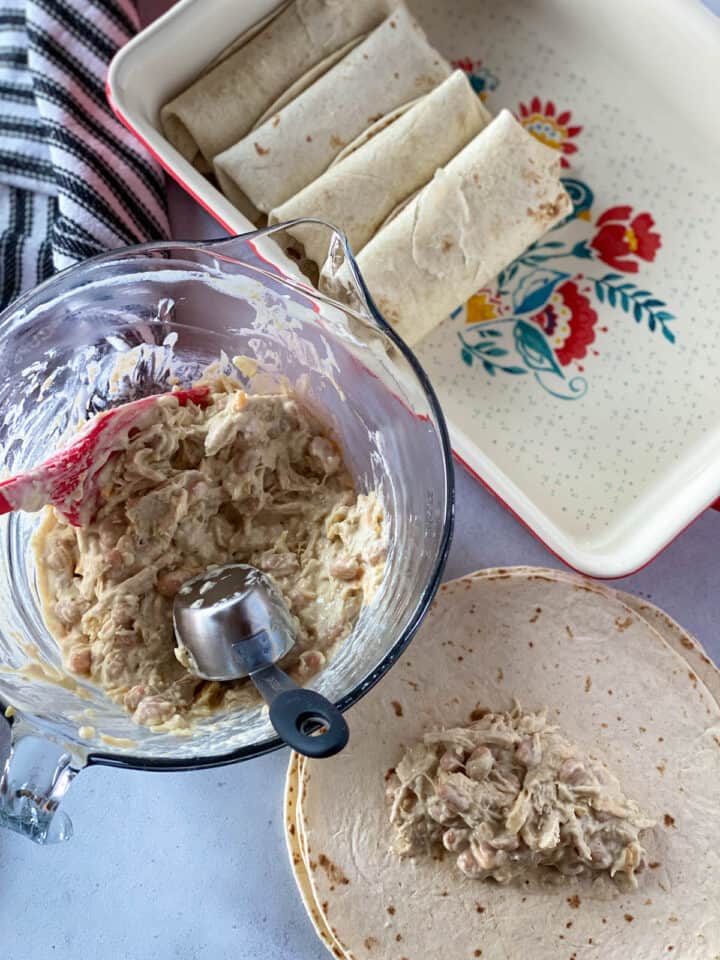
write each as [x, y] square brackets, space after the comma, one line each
[247, 35]
[291, 149]
[359, 193]
[659, 730]
[495, 198]
[295, 89]
[375, 128]
[221, 106]
[293, 839]
[671, 632]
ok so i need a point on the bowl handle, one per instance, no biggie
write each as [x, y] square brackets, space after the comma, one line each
[35, 774]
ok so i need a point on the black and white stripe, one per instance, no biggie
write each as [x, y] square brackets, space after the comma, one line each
[73, 181]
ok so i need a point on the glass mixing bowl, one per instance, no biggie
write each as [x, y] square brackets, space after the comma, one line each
[134, 322]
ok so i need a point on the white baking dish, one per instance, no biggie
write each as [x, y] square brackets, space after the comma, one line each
[599, 433]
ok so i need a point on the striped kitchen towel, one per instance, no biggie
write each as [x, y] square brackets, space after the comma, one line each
[73, 181]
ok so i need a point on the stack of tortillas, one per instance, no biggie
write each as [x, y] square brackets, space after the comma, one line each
[342, 110]
[623, 681]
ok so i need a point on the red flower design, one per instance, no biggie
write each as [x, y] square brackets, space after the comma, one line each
[621, 238]
[569, 321]
[549, 126]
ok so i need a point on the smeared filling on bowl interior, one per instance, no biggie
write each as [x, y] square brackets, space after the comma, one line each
[510, 797]
[246, 479]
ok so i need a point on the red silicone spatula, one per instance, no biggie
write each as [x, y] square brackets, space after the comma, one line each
[69, 479]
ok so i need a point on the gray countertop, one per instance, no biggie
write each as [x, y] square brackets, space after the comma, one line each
[183, 866]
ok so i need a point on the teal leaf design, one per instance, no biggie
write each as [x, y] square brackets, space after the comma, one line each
[486, 352]
[582, 250]
[534, 349]
[535, 288]
[639, 303]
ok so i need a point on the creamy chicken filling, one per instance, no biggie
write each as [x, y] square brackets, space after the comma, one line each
[247, 479]
[509, 797]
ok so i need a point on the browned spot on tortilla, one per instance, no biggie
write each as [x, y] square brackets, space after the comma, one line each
[500, 675]
[530, 643]
[370, 942]
[439, 855]
[308, 139]
[549, 209]
[629, 917]
[604, 726]
[392, 24]
[604, 919]
[336, 142]
[706, 659]
[374, 118]
[478, 712]
[574, 901]
[391, 911]
[590, 940]
[325, 906]
[686, 642]
[642, 729]
[609, 693]
[534, 617]
[276, 119]
[569, 632]
[291, 829]
[668, 820]
[588, 684]
[661, 739]
[654, 865]
[622, 625]
[338, 953]
[693, 678]
[398, 937]
[478, 952]
[447, 245]
[333, 872]
[444, 893]
[661, 767]
[648, 902]
[389, 773]
[313, 865]
[397, 707]
[261, 151]
[411, 683]
[479, 908]
[568, 924]
[296, 858]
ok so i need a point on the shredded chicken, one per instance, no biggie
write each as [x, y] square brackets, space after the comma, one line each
[509, 796]
[249, 479]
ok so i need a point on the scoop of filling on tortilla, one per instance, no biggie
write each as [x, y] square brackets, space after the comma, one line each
[511, 797]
